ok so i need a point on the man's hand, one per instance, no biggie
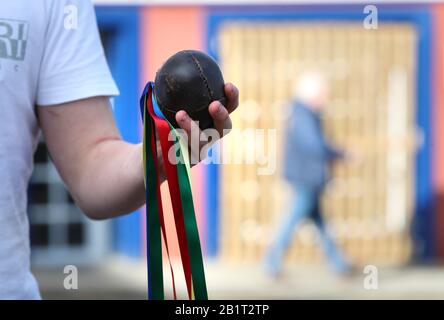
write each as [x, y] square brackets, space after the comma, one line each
[220, 114]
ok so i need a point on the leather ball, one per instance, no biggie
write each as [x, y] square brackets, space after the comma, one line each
[189, 80]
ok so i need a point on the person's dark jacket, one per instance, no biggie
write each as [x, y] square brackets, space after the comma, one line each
[307, 153]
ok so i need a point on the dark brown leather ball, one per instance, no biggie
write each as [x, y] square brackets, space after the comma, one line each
[189, 80]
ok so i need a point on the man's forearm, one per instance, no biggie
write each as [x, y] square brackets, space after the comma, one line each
[110, 180]
[103, 173]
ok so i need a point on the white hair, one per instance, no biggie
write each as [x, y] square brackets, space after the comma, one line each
[310, 85]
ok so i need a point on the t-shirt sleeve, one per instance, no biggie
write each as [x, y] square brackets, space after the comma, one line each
[73, 64]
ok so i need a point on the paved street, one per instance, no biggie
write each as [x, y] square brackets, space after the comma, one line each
[122, 279]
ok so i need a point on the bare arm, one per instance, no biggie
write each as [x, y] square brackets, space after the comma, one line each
[102, 172]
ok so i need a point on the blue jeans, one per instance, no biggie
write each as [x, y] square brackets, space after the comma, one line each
[306, 204]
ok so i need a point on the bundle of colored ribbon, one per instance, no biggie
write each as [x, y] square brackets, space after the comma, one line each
[157, 128]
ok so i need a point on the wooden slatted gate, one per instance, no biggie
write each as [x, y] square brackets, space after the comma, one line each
[369, 203]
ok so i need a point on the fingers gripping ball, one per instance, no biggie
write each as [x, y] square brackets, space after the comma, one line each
[189, 80]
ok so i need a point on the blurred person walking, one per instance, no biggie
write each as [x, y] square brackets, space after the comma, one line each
[307, 160]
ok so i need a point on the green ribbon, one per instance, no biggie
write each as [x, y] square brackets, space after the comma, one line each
[192, 232]
[154, 244]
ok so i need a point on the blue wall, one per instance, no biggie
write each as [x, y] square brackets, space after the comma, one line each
[122, 28]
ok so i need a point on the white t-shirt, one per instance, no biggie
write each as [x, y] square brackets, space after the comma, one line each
[50, 53]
